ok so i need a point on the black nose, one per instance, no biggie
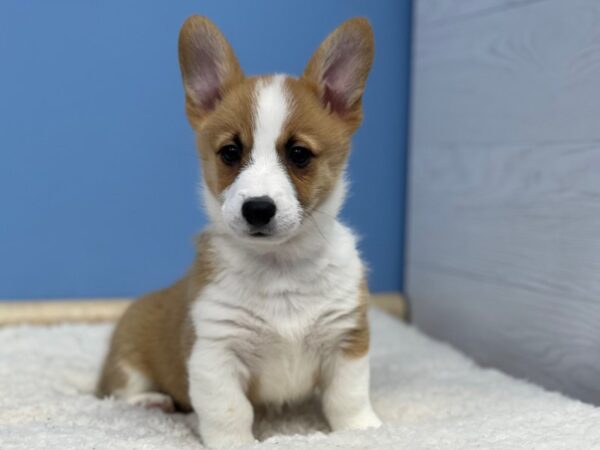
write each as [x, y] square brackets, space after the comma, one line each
[258, 211]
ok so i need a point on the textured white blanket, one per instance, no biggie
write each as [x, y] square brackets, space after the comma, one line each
[429, 396]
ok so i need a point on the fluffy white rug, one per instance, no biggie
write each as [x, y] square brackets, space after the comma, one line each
[429, 395]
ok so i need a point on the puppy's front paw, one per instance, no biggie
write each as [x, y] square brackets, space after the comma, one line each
[360, 421]
[224, 435]
[217, 439]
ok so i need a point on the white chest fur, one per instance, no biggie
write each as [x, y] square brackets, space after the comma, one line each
[278, 320]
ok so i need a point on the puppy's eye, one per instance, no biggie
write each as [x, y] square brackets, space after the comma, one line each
[299, 156]
[231, 154]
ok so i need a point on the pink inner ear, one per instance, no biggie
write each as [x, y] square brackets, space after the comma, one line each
[340, 76]
[205, 82]
[334, 99]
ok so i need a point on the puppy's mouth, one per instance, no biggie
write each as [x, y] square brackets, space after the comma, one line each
[259, 234]
[265, 236]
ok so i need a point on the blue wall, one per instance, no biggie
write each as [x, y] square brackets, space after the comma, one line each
[98, 171]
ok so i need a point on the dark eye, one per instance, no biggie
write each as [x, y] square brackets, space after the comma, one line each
[231, 154]
[299, 156]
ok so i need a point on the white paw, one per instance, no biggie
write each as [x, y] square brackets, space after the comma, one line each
[365, 419]
[229, 440]
[152, 400]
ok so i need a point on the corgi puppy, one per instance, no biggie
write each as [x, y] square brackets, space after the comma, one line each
[274, 307]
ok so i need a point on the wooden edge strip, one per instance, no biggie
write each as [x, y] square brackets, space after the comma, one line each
[105, 310]
[53, 311]
[393, 303]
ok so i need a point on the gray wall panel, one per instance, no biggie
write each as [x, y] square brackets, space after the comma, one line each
[504, 192]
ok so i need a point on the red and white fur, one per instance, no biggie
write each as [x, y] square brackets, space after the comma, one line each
[274, 308]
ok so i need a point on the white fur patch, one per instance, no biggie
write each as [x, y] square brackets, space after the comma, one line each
[137, 382]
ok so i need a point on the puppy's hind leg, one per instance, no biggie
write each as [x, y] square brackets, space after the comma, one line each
[122, 381]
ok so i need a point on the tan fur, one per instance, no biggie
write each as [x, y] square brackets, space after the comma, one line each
[253, 391]
[322, 132]
[356, 342]
[155, 335]
[232, 119]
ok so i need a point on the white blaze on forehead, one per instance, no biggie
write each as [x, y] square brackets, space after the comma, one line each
[270, 114]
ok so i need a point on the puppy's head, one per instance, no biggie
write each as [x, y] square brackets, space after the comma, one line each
[273, 148]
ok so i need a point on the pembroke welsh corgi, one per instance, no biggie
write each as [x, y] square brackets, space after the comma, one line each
[274, 307]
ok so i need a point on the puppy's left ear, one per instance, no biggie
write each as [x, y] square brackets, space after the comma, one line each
[340, 66]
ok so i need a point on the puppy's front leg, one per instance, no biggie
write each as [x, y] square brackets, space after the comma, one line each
[216, 391]
[346, 401]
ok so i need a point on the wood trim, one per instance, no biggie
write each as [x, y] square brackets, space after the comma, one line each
[101, 310]
[55, 311]
[392, 303]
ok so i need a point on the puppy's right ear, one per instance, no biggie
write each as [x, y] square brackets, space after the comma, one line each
[208, 66]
